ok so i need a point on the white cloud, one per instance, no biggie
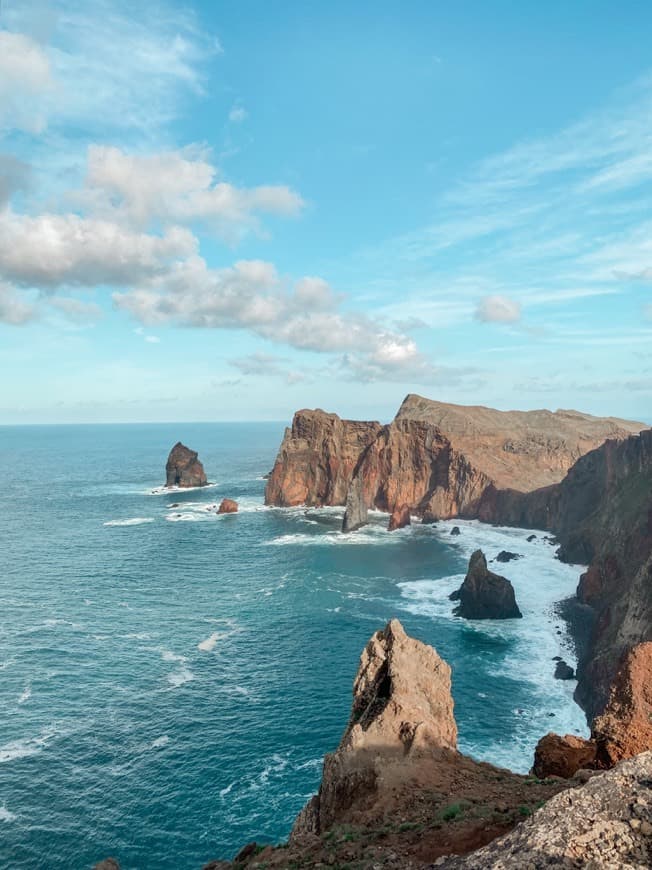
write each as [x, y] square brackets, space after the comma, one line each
[238, 114]
[498, 309]
[13, 309]
[177, 186]
[25, 78]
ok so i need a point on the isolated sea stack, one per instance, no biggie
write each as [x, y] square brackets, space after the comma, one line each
[228, 506]
[183, 468]
[356, 514]
[485, 595]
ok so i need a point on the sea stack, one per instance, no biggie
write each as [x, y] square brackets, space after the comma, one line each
[485, 595]
[183, 468]
[355, 515]
[228, 506]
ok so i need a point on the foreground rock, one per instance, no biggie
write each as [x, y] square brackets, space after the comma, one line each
[183, 468]
[356, 514]
[563, 756]
[228, 506]
[400, 518]
[605, 824]
[485, 595]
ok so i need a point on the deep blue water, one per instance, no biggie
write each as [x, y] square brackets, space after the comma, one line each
[170, 679]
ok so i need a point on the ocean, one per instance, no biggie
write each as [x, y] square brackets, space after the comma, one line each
[170, 679]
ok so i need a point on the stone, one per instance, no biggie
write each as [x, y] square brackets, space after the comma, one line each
[455, 531]
[507, 556]
[107, 864]
[564, 671]
[228, 506]
[183, 468]
[485, 595]
[356, 514]
[563, 756]
[400, 518]
[531, 538]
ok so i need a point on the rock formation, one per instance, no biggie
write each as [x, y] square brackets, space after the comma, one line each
[605, 824]
[507, 556]
[440, 460]
[228, 506]
[485, 595]
[564, 671]
[399, 518]
[356, 514]
[563, 756]
[183, 468]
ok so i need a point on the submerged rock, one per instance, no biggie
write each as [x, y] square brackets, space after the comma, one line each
[400, 518]
[530, 538]
[456, 530]
[356, 514]
[506, 556]
[183, 468]
[228, 506]
[485, 595]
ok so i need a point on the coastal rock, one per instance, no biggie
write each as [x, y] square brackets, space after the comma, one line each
[228, 506]
[485, 595]
[356, 514]
[507, 556]
[455, 531]
[531, 538]
[402, 708]
[564, 671]
[107, 864]
[563, 756]
[400, 518]
[607, 823]
[183, 468]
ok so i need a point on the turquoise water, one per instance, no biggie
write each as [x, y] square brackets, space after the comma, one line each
[170, 679]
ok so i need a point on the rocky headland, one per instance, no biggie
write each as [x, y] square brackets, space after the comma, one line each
[183, 468]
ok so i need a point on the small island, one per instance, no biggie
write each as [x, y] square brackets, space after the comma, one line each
[183, 468]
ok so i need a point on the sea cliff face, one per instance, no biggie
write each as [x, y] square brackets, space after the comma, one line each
[438, 460]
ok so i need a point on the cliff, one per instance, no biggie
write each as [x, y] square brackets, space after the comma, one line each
[436, 459]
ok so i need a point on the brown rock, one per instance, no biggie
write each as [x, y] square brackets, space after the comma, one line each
[228, 506]
[625, 727]
[563, 756]
[356, 514]
[107, 864]
[485, 595]
[183, 468]
[400, 518]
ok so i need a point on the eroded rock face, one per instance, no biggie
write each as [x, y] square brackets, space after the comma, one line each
[356, 514]
[399, 518]
[485, 595]
[606, 823]
[228, 506]
[183, 468]
[402, 707]
[564, 756]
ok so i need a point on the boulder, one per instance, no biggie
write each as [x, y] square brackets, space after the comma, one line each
[455, 531]
[183, 468]
[530, 538]
[400, 518]
[485, 595]
[564, 671]
[563, 756]
[506, 556]
[107, 864]
[228, 506]
[356, 514]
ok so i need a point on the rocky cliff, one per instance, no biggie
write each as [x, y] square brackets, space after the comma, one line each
[183, 468]
[438, 460]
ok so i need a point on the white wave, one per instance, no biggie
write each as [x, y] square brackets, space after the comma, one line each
[6, 815]
[134, 521]
[166, 490]
[178, 678]
[168, 656]
[28, 746]
[26, 694]
[224, 791]
[6, 664]
[210, 643]
[87, 602]
[186, 518]
[160, 742]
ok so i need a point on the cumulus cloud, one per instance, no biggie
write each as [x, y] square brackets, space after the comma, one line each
[498, 309]
[180, 187]
[25, 77]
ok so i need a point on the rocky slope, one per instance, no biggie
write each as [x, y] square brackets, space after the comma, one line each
[436, 459]
[183, 468]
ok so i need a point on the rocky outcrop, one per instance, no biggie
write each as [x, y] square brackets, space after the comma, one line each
[563, 756]
[402, 707]
[183, 468]
[399, 518]
[356, 514]
[507, 556]
[605, 824]
[317, 458]
[563, 671]
[228, 506]
[440, 460]
[485, 595]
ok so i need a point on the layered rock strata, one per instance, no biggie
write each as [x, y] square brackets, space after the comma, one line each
[183, 468]
[485, 595]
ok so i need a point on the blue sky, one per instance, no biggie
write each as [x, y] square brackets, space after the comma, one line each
[227, 211]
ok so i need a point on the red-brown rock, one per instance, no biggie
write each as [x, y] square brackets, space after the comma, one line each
[563, 756]
[400, 518]
[183, 468]
[228, 506]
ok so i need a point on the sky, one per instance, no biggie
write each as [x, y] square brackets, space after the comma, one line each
[232, 210]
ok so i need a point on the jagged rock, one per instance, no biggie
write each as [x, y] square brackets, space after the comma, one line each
[402, 708]
[506, 556]
[564, 671]
[607, 823]
[183, 468]
[485, 595]
[456, 530]
[356, 514]
[228, 506]
[400, 518]
[563, 756]
[531, 538]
